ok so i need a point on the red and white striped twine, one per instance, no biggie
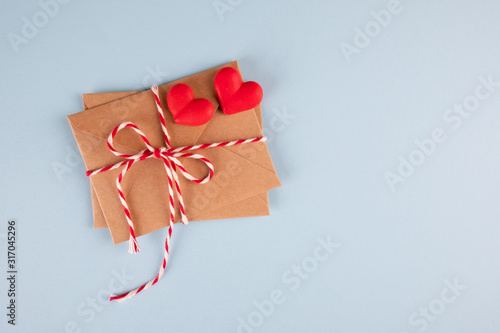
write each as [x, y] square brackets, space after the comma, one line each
[170, 157]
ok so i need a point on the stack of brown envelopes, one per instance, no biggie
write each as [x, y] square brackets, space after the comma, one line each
[243, 173]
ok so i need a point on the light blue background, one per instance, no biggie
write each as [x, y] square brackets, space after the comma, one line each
[351, 123]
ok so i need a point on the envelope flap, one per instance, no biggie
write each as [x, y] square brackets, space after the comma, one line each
[96, 99]
[140, 109]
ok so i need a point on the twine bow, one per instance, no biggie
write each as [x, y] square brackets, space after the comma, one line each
[170, 157]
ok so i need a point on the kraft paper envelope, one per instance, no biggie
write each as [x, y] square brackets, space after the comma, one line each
[241, 172]
[252, 206]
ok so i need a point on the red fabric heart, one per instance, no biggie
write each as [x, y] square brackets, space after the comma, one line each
[186, 109]
[234, 95]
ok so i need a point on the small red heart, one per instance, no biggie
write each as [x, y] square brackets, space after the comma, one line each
[234, 95]
[186, 109]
